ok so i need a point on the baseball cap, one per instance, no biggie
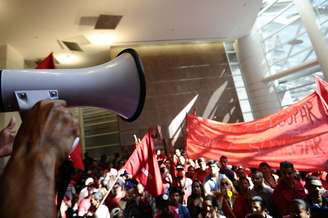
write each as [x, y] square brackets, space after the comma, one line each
[88, 181]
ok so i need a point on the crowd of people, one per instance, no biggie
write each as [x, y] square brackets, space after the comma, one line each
[191, 188]
[197, 188]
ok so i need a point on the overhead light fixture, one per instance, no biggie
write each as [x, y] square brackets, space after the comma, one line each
[102, 38]
[67, 58]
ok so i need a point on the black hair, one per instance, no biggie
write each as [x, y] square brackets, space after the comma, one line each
[175, 190]
[223, 157]
[286, 165]
[213, 200]
[300, 203]
[260, 200]
[264, 164]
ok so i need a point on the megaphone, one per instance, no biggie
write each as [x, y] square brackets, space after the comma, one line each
[118, 85]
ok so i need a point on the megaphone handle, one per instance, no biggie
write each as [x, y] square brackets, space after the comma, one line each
[26, 99]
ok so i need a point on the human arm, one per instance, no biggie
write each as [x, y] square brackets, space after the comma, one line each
[207, 188]
[27, 185]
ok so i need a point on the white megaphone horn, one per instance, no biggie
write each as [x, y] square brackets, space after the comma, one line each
[118, 85]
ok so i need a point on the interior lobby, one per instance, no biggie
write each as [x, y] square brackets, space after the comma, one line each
[228, 61]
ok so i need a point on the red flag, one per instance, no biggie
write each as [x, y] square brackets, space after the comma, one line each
[298, 134]
[76, 156]
[143, 166]
[47, 63]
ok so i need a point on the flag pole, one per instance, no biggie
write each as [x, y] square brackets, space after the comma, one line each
[111, 187]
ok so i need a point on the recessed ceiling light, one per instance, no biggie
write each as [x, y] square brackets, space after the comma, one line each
[67, 58]
[104, 38]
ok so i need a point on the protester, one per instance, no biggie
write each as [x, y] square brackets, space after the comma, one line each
[258, 208]
[317, 203]
[210, 208]
[99, 210]
[86, 191]
[213, 181]
[201, 172]
[287, 189]
[85, 204]
[145, 201]
[184, 183]
[241, 174]
[175, 202]
[227, 196]
[190, 172]
[270, 178]
[241, 206]
[137, 203]
[163, 208]
[299, 209]
[195, 200]
[116, 197]
[262, 190]
[225, 170]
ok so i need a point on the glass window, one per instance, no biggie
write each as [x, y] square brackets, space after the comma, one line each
[248, 117]
[285, 42]
[242, 94]
[244, 105]
[238, 81]
[320, 8]
[293, 88]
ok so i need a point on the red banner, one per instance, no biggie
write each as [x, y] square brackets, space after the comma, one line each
[298, 134]
[143, 166]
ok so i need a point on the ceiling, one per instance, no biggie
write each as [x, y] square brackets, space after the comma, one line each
[37, 27]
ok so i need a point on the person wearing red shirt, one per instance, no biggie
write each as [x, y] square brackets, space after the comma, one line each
[287, 190]
[270, 178]
[202, 172]
[242, 204]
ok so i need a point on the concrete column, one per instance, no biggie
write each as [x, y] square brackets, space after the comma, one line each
[10, 58]
[262, 96]
[317, 38]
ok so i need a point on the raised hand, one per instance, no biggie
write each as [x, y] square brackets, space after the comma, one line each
[43, 141]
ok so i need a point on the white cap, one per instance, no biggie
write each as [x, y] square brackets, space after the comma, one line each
[112, 172]
[88, 181]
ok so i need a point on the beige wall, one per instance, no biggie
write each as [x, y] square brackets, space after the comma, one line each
[175, 75]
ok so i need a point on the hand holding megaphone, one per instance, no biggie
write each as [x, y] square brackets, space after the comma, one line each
[48, 129]
[43, 141]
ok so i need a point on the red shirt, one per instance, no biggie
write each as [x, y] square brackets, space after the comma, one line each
[241, 207]
[114, 201]
[200, 175]
[283, 195]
